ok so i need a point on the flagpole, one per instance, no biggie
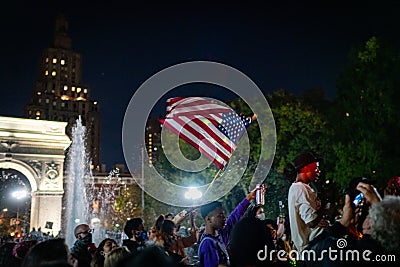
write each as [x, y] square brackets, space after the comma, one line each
[212, 182]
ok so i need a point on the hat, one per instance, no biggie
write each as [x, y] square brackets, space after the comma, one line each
[206, 209]
[303, 160]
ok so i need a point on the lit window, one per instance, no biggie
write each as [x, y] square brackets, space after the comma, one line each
[53, 73]
[54, 103]
[47, 60]
[47, 101]
[78, 90]
[65, 87]
[95, 103]
[46, 72]
[62, 104]
[54, 60]
[85, 91]
[62, 62]
[39, 100]
[73, 88]
[38, 113]
[39, 93]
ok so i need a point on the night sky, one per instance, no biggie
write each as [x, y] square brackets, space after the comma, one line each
[281, 45]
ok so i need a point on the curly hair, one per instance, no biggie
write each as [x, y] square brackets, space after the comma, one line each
[385, 222]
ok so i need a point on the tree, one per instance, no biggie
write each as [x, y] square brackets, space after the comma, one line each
[368, 114]
[300, 128]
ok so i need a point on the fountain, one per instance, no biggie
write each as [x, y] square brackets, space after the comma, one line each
[77, 193]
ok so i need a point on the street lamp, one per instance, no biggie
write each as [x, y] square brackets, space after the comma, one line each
[19, 194]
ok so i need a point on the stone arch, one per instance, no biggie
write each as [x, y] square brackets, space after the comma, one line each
[23, 168]
[36, 148]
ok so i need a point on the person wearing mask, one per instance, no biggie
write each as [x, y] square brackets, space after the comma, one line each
[83, 246]
[134, 230]
[102, 251]
[256, 211]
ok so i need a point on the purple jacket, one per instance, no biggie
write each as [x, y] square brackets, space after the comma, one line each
[212, 249]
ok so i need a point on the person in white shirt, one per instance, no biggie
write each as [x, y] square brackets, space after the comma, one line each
[305, 216]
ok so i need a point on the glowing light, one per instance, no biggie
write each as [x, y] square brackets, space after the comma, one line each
[193, 193]
[20, 194]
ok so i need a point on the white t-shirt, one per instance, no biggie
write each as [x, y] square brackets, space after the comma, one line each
[303, 205]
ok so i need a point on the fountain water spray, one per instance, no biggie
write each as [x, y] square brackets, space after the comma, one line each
[77, 188]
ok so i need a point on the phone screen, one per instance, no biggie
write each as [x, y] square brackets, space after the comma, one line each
[357, 200]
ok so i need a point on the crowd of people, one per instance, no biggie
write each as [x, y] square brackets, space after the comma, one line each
[244, 238]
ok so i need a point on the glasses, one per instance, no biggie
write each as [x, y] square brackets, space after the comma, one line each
[86, 232]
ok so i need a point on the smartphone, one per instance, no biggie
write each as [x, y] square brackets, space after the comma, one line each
[358, 199]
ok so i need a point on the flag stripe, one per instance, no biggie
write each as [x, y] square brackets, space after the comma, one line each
[194, 141]
[211, 128]
[188, 131]
[195, 106]
[227, 146]
[202, 131]
[200, 109]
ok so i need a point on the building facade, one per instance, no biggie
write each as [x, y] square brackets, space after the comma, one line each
[59, 93]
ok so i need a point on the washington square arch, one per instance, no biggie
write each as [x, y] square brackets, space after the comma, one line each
[36, 149]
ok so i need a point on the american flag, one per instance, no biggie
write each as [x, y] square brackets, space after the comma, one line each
[211, 128]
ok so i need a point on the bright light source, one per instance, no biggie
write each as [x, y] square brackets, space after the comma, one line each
[20, 194]
[193, 193]
[5, 210]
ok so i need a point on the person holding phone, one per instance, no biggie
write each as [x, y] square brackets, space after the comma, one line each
[381, 232]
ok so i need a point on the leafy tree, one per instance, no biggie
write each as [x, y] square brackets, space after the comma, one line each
[368, 121]
[300, 128]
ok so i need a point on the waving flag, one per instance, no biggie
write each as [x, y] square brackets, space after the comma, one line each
[211, 128]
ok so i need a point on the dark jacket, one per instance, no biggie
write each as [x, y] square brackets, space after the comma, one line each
[133, 246]
[346, 250]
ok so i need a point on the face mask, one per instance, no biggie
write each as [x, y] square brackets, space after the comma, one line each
[260, 216]
[87, 239]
